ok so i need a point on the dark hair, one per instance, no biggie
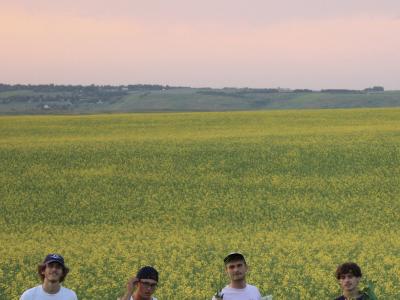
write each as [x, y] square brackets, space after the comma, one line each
[348, 268]
[147, 272]
[42, 267]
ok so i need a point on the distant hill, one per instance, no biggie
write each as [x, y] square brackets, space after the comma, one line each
[78, 99]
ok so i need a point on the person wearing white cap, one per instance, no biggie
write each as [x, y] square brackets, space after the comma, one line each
[52, 272]
[236, 269]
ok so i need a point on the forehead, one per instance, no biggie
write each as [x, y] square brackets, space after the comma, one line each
[148, 281]
[347, 275]
[54, 264]
[235, 262]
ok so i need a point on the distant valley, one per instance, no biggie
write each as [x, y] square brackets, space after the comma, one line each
[79, 99]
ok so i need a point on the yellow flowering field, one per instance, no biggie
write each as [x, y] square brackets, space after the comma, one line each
[298, 192]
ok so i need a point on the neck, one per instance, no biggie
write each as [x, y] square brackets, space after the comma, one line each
[351, 294]
[238, 284]
[136, 296]
[51, 287]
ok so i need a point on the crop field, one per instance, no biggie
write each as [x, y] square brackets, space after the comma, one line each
[298, 192]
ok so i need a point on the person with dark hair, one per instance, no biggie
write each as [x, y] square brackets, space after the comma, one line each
[348, 276]
[52, 272]
[142, 286]
[236, 268]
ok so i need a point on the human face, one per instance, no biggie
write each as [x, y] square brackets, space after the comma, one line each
[349, 282]
[53, 272]
[146, 288]
[236, 270]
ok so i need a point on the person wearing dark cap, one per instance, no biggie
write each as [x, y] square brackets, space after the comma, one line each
[236, 269]
[142, 286]
[52, 272]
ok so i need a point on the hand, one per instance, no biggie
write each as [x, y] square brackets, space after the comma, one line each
[130, 286]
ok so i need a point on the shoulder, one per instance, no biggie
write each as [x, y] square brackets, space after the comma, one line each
[340, 298]
[68, 293]
[252, 287]
[28, 294]
[225, 288]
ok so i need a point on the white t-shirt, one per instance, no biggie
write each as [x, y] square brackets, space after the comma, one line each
[37, 293]
[250, 292]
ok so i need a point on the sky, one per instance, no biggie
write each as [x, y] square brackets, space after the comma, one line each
[314, 44]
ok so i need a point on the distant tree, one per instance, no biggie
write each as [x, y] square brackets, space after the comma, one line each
[375, 89]
[341, 91]
[302, 91]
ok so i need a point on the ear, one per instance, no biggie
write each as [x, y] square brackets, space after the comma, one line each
[246, 267]
[226, 270]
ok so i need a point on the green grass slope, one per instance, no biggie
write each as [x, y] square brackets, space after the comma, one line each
[184, 99]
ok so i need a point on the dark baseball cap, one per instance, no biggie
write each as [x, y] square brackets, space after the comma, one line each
[54, 258]
[233, 257]
[147, 272]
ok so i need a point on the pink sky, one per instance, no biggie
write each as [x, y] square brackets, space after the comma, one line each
[309, 44]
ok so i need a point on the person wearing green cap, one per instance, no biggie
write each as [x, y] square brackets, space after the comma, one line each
[142, 286]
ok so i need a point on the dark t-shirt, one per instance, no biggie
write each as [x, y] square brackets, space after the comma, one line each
[362, 297]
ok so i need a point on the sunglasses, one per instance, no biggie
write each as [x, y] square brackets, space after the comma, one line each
[148, 284]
